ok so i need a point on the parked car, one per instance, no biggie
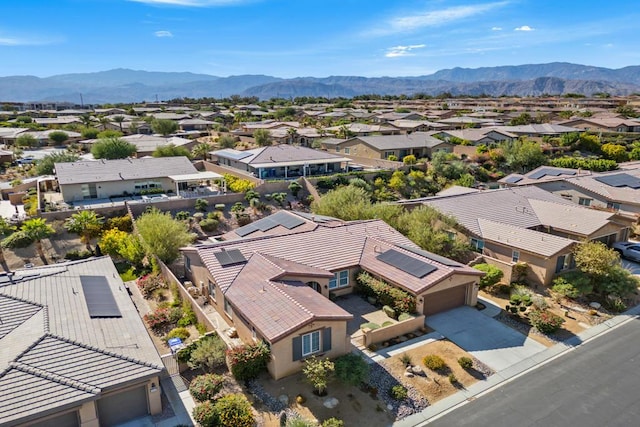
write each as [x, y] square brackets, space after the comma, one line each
[628, 250]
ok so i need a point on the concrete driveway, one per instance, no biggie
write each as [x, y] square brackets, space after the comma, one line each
[488, 340]
[632, 266]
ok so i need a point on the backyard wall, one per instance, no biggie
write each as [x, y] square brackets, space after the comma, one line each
[212, 167]
[374, 336]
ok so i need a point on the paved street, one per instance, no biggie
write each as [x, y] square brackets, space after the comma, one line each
[595, 385]
[488, 340]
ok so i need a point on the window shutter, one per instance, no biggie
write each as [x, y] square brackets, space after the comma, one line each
[297, 348]
[326, 339]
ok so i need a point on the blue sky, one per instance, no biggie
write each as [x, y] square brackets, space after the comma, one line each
[318, 38]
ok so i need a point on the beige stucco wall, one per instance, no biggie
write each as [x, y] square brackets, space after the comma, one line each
[570, 192]
[471, 283]
[73, 192]
[282, 363]
[386, 333]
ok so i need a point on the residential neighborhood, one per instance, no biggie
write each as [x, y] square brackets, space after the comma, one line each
[304, 260]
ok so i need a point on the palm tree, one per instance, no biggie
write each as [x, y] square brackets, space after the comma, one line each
[86, 224]
[118, 119]
[86, 120]
[5, 230]
[37, 229]
[293, 135]
[344, 132]
[104, 121]
[201, 150]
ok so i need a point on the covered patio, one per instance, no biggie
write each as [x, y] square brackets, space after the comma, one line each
[199, 184]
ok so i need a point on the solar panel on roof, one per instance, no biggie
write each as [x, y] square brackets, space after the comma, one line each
[233, 256]
[99, 298]
[513, 179]
[235, 156]
[408, 264]
[620, 180]
[287, 221]
[442, 260]
[246, 230]
[265, 224]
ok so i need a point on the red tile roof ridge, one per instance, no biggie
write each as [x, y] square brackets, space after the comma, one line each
[274, 285]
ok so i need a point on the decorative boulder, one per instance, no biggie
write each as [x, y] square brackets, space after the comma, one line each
[330, 402]
[284, 399]
[595, 305]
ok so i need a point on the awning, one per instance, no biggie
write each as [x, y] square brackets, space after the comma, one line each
[195, 176]
[300, 162]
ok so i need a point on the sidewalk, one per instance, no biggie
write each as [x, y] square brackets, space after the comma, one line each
[450, 403]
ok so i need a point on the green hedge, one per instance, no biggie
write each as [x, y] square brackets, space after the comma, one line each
[397, 299]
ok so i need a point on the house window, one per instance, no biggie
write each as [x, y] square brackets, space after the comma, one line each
[187, 263]
[212, 290]
[337, 149]
[340, 280]
[227, 308]
[584, 201]
[477, 245]
[387, 154]
[515, 256]
[613, 205]
[347, 150]
[310, 343]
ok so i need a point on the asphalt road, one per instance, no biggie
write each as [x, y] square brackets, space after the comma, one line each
[597, 384]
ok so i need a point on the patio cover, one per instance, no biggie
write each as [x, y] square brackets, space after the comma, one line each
[195, 176]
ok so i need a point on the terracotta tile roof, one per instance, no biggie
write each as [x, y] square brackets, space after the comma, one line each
[532, 241]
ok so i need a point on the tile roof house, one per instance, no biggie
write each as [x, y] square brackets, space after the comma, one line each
[616, 191]
[73, 349]
[147, 144]
[603, 124]
[419, 144]
[527, 224]
[277, 286]
[280, 161]
[102, 179]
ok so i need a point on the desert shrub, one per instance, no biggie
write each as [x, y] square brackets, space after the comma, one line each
[182, 216]
[300, 422]
[387, 323]
[573, 284]
[158, 319]
[122, 223]
[204, 414]
[333, 422]
[198, 216]
[564, 288]
[492, 276]
[207, 354]
[616, 304]
[209, 225]
[201, 205]
[237, 185]
[219, 207]
[188, 315]
[175, 314]
[398, 392]
[434, 362]
[205, 387]
[406, 359]
[453, 379]
[150, 283]
[249, 361]
[370, 325]
[233, 410]
[351, 369]
[181, 333]
[545, 321]
[75, 254]
[538, 302]
[392, 158]
[390, 312]
[465, 362]
[202, 328]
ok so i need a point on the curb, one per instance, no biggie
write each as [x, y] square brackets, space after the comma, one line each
[460, 398]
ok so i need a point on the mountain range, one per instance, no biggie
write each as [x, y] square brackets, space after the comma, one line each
[124, 85]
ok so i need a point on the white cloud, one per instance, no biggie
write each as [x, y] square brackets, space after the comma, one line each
[18, 41]
[496, 28]
[397, 51]
[191, 3]
[433, 18]
[523, 28]
[163, 33]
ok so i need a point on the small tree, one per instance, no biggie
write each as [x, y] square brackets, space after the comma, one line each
[492, 276]
[113, 148]
[86, 224]
[47, 164]
[58, 137]
[164, 127]
[233, 410]
[171, 150]
[351, 369]
[262, 137]
[37, 229]
[208, 354]
[409, 160]
[26, 140]
[226, 141]
[295, 188]
[318, 372]
[200, 151]
[162, 236]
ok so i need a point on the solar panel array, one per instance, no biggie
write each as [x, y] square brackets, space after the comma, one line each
[99, 298]
[620, 180]
[408, 264]
[236, 156]
[230, 257]
[433, 257]
[265, 224]
[513, 179]
[550, 172]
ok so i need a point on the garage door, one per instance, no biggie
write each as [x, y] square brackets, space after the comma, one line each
[120, 407]
[444, 300]
[70, 419]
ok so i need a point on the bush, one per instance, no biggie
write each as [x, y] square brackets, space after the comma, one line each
[75, 254]
[158, 319]
[300, 422]
[398, 392]
[208, 353]
[150, 283]
[492, 276]
[545, 321]
[233, 410]
[219, 207]
[405, 359]
[122, 223]
[181, 333]
[175, 314]
[205, 387]
[465, 362]
[19, 239]
[397, 299]
[201, 205]
[202, 328]
[453, 379]
[404, 316]
[237, 185]
[182, 216]
[248, 361]
[333, 422]
[351, 369]
[188, 315]
[370, 325]
[434, 362]
[390, 312]
[204, 414]
[209, 225]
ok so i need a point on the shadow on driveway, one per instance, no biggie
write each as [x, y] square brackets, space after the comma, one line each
[488, 340]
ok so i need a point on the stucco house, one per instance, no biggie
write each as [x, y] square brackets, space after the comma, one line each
[419, 144]
[275, 280]
[281, 161]
[527, 224]
[103, 179]
[73, 349]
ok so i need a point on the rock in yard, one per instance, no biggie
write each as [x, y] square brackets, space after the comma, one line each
[417, 370]
[408, 374]
[330, 402]
[284, 399]
[595, 305]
